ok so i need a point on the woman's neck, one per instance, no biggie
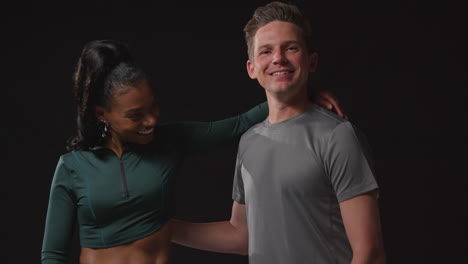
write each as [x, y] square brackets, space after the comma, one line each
[111, 142]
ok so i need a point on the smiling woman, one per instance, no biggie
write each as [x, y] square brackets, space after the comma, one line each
[131, 117]
[117, 180]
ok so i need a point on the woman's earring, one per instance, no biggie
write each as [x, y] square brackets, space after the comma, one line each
[104, 130]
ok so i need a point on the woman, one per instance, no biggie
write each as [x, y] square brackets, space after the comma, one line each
[117, 178]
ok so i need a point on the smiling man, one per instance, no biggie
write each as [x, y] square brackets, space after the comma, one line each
[304, 189]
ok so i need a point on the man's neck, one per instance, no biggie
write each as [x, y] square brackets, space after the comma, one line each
[281, 109]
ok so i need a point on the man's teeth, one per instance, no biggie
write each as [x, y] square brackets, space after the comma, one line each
[279, 73]
[146, 132]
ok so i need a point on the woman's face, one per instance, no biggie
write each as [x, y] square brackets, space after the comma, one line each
[133, 114]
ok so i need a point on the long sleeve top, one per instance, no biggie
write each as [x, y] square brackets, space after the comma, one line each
[117, 200]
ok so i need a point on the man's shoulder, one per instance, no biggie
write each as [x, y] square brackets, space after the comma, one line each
[316, 118]
[320, 120]
[315, 124]
[252, 131]
[328, 127]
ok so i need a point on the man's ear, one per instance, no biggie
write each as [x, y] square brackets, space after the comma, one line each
[251, 70]
[313, 58]
[100, 111]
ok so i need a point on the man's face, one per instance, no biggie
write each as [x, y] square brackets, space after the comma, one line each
[280, 60]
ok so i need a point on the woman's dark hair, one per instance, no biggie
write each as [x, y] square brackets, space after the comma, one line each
[104, 67]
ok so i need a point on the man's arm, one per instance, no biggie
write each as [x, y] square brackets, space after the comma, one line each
[362, 223]
[225, 237]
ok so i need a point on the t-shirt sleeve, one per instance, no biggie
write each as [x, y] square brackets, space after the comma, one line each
[238, 185]
[200, 136]
[60, 220]
[348, 162]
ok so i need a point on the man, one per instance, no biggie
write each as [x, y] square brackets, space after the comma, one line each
[304, 190]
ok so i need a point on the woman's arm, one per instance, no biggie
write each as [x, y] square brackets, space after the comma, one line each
[60, 220]
[199, 136]
[225, 237]
[329, 101]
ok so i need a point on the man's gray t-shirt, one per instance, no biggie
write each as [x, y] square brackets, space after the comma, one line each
[292, 176]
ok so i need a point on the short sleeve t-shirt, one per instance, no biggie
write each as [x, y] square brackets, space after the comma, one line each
[292, 176]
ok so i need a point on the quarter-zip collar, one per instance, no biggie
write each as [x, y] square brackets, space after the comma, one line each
[126, 149]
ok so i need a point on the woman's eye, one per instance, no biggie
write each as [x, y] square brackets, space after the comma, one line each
[135, 116]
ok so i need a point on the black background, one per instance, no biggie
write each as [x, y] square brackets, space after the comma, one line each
[399, 70]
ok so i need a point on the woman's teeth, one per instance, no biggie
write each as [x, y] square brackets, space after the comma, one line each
[146, 132]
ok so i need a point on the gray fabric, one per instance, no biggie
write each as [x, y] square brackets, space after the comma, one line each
[292, 176]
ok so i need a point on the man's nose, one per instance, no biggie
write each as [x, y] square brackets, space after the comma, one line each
[278, 57]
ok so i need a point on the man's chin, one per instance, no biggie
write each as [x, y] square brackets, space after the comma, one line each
[281, 91]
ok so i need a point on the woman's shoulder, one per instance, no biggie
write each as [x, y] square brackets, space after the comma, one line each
[72, 158]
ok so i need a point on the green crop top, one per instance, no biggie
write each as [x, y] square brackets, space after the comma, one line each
[119, 200]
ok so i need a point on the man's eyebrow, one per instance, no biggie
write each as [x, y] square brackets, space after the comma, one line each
[291, 42]
[285, 43]
[263, 46]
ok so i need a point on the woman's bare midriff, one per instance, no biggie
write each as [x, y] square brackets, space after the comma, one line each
[153, 249]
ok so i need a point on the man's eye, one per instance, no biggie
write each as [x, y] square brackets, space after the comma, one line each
[293, 48]
[264, 52]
